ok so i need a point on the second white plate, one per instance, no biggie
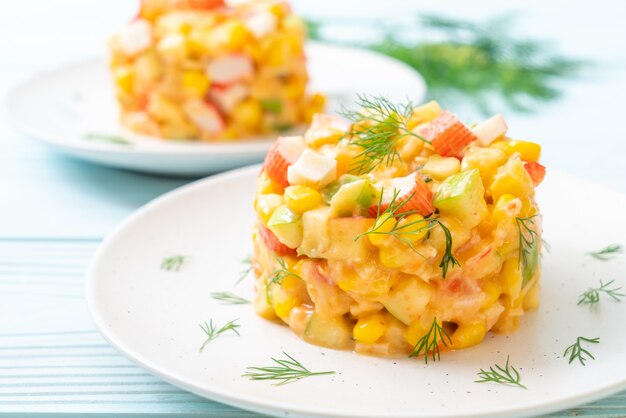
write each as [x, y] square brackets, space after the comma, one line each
[152, 316]
[62, 106]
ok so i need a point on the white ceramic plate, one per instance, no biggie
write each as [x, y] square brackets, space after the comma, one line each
[152, 316]
[62, 106]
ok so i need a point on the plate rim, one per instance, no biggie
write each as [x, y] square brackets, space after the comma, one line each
[257, 403]
[239, 147]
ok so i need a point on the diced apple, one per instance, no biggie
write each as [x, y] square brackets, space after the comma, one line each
[312, 169]
[287, 226]
[326, 129]
[440, 168]
[342, 233]
[285, 151]
[315, 238]
[271, 241]
[329, 191]
[204, 115]
[354, 198]
[230, 69]
[424, 113]
[407, 299]
[135, 37]
[490, 130]
[332, 331]
[463, 196]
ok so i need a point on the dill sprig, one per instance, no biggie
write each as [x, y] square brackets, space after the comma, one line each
[607, 252]
[111, 139]
[577, 352]
[528, 247]
[247, 268]
[229, 298]
[212, 331]
[591, 296]
[480, 61]
[278, 276]
[173, 263]
[507, 375]
[377, 127]
[402, 230]
[430, 343]
[286, 371]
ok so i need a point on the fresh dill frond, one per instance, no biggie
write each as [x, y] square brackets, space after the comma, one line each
[287, 370]
[111, 139]
[430, 343]
[528, 247]
[507, 375]
[482, 62]
[403, 230]
[278, 276]
[377, 127]
[608, 252]
[577, 352]
[229, 298]
[448, 260]
[173, 263]
[591, 296]
[212, 331]
[247, 268]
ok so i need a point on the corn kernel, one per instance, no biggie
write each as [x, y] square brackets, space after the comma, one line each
[232, 35]
[511, 178]
[414, 332]
[302, 198]
[440, 168]
[195, 83]
[528, 151]
[467, 335]
[413, 228]
[506, 207]
[511, 278]
[248, 114]
[492, 292]
[173, 47]
[380, 238]
[124, 79]
[392, 257]
[424, 113]
[369, 329]
[282, 50]
[283, 302]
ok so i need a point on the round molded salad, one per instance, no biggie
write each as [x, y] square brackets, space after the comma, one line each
[201, 69]
[398, 229]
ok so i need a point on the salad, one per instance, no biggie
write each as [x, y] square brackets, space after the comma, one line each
[200, 69]
[399, 229]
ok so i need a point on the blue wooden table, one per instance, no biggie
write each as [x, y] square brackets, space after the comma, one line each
[54, 211]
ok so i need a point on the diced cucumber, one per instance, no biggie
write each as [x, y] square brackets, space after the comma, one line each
[407, 300]
[532, 262]
[287, 226]
[332, 332]
[329, 191]
[353, 198]
[463, 196]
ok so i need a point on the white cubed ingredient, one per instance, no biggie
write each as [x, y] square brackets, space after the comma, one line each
[291, 147]
[229, 69]
[135, 37]
[227, 97]
[402, 185]
[490, 130]
[261, 23]
[312, 169]
[204, 115]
